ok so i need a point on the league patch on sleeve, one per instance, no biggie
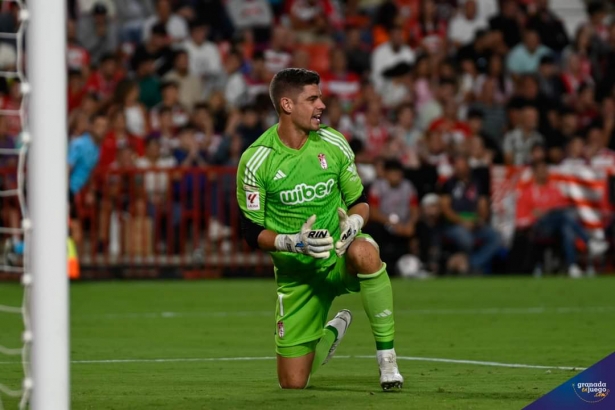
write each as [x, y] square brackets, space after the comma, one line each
[253, 201]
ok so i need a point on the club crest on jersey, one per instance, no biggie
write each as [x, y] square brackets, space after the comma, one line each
[323, 161]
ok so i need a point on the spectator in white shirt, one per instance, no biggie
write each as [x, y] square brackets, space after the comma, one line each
[156, 183]
[131, 15]
[175, 24]
[190, 86]
[203, 56]
[98, 33]
[390, 54]
[465, 23]
[277, 56]
[254, 15]
[235, 91]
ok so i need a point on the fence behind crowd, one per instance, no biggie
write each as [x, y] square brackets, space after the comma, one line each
[184, 222]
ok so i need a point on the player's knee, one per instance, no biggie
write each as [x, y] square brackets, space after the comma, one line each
[293, 382]
[364, 256]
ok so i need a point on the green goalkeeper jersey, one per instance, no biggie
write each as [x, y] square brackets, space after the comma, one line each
[279, 188]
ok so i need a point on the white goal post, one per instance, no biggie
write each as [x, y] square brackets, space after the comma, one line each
[47, 199]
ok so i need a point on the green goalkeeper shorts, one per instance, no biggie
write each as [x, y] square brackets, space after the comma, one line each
[303, 304]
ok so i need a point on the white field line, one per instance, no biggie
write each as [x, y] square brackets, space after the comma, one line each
[255, 358]
[483, 311]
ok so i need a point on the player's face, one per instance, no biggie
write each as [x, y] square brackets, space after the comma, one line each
[308, 108]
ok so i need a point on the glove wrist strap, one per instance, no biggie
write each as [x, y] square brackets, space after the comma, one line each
[285, 243]
[358, 218]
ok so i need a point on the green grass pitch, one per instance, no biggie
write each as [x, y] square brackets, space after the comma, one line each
[120, 330]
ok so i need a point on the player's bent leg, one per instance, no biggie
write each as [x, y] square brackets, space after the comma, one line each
[294, 372]
[363, 260]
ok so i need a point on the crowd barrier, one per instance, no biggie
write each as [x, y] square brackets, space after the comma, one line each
[184, 222]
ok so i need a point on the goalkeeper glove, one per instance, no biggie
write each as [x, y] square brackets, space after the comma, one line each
[313, 242]
[350, 226]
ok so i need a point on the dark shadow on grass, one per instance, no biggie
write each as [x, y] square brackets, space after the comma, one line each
[348, 384]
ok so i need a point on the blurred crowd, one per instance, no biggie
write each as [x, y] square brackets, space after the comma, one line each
[429, 93]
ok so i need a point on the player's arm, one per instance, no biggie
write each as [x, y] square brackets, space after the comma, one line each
[314, 242]
[251, 197]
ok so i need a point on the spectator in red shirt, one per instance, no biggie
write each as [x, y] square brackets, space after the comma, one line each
[428, 32]
[575, 74]
[339, 81]
[454, 130]
[12, 102]
[585, 105]
[372, 129]
[117, 138]
[543, 207]
[103, 81]
[76, 89]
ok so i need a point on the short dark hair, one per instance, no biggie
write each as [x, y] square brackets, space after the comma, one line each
[153, 138]
[538, 146]
[290, 80]
[402, 107]
[178, 53]
[594, 7]
[97, 115]
[476, 113]
[187, 128]
[393, 165]
[203, 105]
[165, 110]
[159, 29]
[547, 59]
[194, 24]
[169, 83]
[107, 57]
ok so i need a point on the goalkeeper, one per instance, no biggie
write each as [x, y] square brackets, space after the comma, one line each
[302, 201]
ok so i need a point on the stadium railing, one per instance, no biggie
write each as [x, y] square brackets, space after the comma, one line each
[184, 222]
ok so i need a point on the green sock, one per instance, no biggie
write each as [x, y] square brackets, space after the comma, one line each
[377, 296]
[323, 346]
